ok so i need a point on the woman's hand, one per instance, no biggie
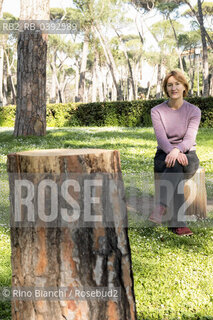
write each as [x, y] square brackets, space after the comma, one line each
[172, 157]
[182, 159]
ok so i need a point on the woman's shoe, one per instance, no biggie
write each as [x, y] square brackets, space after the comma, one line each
[182, 231]
[157, 213]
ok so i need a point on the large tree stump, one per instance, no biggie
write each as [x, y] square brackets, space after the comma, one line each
[72, 254]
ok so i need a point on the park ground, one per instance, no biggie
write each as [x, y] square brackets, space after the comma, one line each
[173, 276]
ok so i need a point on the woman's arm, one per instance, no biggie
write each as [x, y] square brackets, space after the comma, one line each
[163, 141]
[190, 135]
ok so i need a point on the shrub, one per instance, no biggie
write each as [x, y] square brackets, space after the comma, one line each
[61, 115]
[7, 116]
[118, 113]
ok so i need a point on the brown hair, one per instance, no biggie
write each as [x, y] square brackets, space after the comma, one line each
[179, 77]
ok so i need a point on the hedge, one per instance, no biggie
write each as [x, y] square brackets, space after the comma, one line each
[118, 113]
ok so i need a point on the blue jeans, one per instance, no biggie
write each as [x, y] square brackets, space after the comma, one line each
[171, 184]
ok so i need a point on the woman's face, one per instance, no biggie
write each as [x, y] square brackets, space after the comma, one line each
[174, 88]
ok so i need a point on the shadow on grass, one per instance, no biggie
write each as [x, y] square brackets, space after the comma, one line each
[183, 317]
[5, 310]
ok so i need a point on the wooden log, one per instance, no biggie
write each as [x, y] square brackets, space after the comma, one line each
[71, 254]
[194, 193]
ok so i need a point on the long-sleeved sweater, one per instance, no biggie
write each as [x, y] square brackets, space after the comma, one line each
[176, 128]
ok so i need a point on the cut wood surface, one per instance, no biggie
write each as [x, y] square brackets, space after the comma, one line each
[73, 255]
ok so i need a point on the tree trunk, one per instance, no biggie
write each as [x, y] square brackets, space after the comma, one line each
[158, 90]
[110, 60]
[31, 72]
[192, 71]
[1, 73]
[63, 88]
[129, 65]
[100, 78]
[140, 28]
[137, 73]
[94, 80]
[13, 89]
[54, 79]
[87, 251]
[205, 52]
[176, 39]
[211, 86]
[77, 75]
[81, 85]
[150, 82]
[1, 59]
[5, 89]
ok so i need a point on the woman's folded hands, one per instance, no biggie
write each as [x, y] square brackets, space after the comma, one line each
[174, 155]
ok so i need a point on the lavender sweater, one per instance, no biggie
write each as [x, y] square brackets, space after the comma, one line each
[176, 128]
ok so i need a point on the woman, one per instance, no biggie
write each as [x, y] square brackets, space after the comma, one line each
[175, 123]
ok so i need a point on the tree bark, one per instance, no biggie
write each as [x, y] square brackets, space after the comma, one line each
[94, 79]
[192, 71]
[13, 89]
[81, 85]
[151, 81]
[72, 254]
[211, 85]
[1, 58]
[1, 73]
[54, 79]
[31, 72]
[158, 90]
[99, 76]
[110, 60]
[205, 52]
[5, 89]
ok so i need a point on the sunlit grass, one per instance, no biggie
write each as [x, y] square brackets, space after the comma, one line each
[173, 276]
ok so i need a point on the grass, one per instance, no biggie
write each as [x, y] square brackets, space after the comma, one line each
[173, 276]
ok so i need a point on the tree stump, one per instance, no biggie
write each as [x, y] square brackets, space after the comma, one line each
[74, 254]
[194, 193]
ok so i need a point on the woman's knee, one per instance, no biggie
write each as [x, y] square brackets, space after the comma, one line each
[193, 163]
[177, 167]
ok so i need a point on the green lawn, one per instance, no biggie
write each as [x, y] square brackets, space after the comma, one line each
[173, 276]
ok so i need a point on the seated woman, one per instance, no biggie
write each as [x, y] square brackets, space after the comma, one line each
[175, 123]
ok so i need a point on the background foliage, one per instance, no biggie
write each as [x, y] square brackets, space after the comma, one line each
[134, 113]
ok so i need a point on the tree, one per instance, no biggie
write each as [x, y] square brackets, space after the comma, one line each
[8, 59]
[188, 41]
[205, 52]
[59, 50]
[197, 12]
[200, 20]
[167, 9]
[163, 34]
[10, 65]
[31, 72]
[96, 14]
[1, 56]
